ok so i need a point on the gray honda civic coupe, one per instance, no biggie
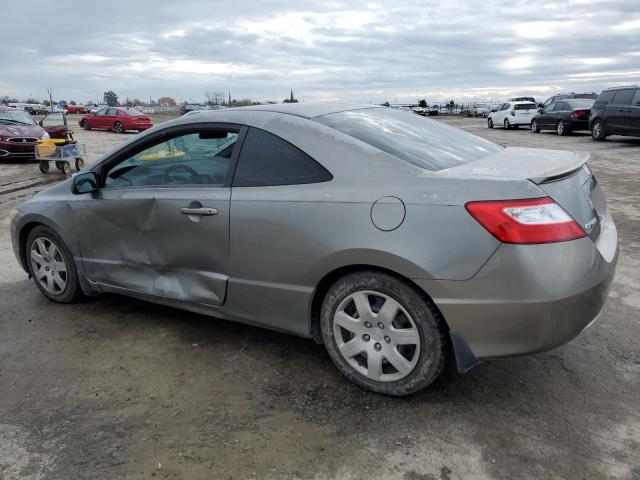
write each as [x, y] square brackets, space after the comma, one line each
[397, 241]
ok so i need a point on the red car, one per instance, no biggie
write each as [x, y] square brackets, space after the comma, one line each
[118, 119]
[75, 109]
[19, 133]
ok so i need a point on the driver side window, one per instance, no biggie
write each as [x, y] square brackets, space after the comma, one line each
[194, 159]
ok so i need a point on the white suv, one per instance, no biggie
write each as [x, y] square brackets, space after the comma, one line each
[513, 114]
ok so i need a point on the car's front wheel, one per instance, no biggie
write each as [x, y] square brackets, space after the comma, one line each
[598, 131]
[382, 333]
[490, 122]
[51, 265]
[85, 124]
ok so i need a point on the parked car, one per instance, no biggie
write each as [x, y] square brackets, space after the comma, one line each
[95, 108]
[566, 96]
[118, 119]
[494, 261]
[19, 134]
[35, 109]
[76, 109]
[563, 116]
[616, 111]
[480, 109]
[523, 99]
[513, 114]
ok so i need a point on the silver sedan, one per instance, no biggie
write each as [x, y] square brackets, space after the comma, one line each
[399, 242]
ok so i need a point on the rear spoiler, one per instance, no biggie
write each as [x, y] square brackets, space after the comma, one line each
[553, 175]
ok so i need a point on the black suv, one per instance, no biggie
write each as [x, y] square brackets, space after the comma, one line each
[616, 111]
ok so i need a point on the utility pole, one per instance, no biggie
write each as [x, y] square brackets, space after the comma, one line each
[50, 92]
[229, 98]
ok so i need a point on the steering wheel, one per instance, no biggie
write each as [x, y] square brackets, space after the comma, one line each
[195, 176]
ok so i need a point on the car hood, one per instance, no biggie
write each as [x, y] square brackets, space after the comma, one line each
[21, 131]
[535, 164]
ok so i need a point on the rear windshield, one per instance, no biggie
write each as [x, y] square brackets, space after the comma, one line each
[580, 102]
[420, 141]
[133, 112]
[525, 106]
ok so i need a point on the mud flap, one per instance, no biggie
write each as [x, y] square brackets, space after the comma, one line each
[465, 359]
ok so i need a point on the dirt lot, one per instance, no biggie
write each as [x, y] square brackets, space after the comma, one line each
[119, 388]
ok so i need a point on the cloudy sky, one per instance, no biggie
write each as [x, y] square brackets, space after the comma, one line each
[332, 50]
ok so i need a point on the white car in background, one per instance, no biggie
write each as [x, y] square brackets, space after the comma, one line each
[480, 109]
[513, 114]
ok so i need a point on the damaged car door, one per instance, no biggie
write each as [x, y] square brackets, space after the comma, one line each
[159, 224]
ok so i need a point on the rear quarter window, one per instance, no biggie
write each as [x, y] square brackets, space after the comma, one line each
[623, 97]
[423, 142]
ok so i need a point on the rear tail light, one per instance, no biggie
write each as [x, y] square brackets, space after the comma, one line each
[537, 220]
[580, 114]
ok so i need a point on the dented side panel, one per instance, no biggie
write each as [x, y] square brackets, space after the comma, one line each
[139, 240]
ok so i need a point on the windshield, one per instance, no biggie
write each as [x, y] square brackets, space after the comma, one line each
[16, 117]
[425, 143]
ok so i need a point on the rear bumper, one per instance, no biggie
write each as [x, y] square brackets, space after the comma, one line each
[530, 298]
[579, 124]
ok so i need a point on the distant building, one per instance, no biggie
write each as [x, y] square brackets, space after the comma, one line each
[166, 102]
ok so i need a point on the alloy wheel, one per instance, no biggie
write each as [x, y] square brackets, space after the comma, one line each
[118, 128]
[560, 127]
[48, 265]
[376, 336]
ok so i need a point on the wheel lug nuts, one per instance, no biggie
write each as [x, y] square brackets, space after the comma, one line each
[387, 339]
[367, 324]
[380, 325]
[366, 337]
[377, 346]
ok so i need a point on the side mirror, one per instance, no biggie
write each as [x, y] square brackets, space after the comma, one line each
[540, 109]
[85, 182]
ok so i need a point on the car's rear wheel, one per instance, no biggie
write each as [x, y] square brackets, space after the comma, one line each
[598, 130]
[490, 122]
[118, 127]
[507, 125]
[382, 334]
[534, 127]
[85, 124]
[51, 265]
[562, 128]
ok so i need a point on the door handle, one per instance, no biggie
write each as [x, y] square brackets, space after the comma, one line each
[202, 211]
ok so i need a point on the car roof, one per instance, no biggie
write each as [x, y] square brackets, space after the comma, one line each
[520, 102]
[305, 110]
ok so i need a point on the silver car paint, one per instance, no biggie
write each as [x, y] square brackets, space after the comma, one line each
[274, 245]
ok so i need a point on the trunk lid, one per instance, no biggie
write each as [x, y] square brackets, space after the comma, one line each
[562, 175]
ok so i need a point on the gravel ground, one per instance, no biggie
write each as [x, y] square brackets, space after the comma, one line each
[119, 388]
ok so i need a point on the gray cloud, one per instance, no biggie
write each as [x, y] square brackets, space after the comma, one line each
[346, 50]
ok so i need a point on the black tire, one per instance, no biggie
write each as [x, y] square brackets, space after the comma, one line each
[507, 124]
[534, 126]
[598, 130]
[44, 166]
[118, 127]
[563, 129]
[490, 123]
[79, 163]
[72, 290]
[428, 322]
[85, 124]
